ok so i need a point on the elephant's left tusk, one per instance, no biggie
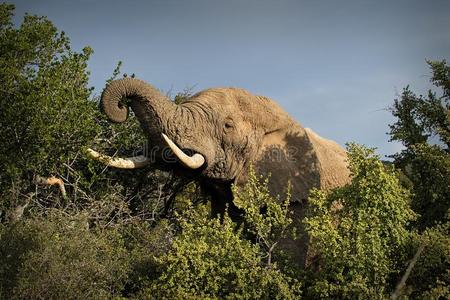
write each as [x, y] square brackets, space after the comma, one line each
[193, 162]
[120, 163]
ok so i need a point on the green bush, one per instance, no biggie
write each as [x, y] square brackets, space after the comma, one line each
[358, 233]
[210, 259]
[45, 119]
[423, 126]
[270, 227]
[61, 258]
[430, 278]
[145, 243]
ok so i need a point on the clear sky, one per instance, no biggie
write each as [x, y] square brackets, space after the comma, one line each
[335, 66]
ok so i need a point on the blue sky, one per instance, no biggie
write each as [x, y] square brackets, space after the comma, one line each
[335, 66]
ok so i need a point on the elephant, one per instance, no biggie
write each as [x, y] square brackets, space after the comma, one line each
[219, 133]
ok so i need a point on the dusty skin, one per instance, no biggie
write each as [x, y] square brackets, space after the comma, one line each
[228, 130]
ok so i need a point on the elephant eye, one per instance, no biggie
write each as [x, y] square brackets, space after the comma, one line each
[229, 125]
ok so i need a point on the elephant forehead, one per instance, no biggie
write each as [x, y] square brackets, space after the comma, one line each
[212, 109]
[232, 102]
[224, 96]
[240, 104]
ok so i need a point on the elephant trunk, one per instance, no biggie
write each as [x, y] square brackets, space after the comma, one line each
[157, 115]
[152, 109]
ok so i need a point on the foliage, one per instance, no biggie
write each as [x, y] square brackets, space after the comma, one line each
[144, 243]
[431, 278]
[48, 118]
[60, 258]
[358, 232]
[428, 168]
[63, 257]
[44, 116]
[266, 217]
[211, 259]
[183, 96]
[423, 126]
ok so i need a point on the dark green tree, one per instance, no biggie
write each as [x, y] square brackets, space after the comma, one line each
[423, 126]
[48, 117]
[45, 118]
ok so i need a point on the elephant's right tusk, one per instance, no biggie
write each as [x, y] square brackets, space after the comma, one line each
[193, 162]
[120, 163]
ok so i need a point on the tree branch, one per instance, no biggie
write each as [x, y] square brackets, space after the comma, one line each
[52, 181]
[402, 282]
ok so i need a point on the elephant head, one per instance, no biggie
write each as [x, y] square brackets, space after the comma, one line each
[219, 133]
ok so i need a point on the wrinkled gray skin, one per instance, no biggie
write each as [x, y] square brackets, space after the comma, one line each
[233, 129]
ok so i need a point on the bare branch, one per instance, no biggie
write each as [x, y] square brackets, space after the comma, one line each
[52, 181]
[405, 276]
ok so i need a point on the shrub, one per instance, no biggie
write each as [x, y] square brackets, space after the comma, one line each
[61, 258]
[430, 278]
[211, 259]
[267, 218]
[359, 232]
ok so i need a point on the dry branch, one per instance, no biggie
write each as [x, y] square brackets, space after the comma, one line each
[52, 181]
[405, 276]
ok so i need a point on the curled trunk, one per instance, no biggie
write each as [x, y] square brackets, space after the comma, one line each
[152, 109]
[160, 118]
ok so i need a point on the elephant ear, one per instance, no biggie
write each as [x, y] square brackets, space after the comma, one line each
[291, 153]
[299, 156]
[282, 148]
[333, 161]
[287, 156]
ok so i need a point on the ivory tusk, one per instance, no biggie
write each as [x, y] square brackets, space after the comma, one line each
[193, 162]
[120, 163]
